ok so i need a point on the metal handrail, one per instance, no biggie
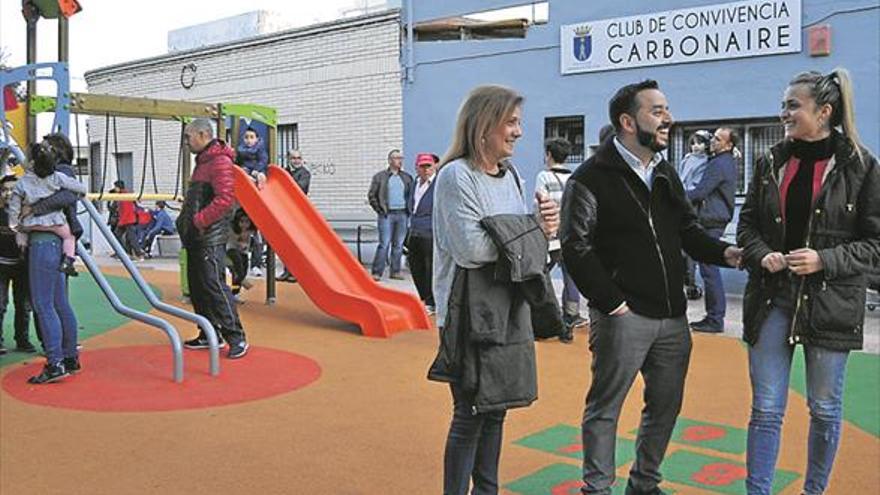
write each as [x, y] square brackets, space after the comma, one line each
[176, 346]
[203, 323]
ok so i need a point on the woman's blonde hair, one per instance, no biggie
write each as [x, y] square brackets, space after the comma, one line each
[835, 89]
[483, 110]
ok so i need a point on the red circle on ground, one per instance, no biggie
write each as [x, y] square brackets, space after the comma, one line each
[719, 474]
[702, 433]
[138, 379]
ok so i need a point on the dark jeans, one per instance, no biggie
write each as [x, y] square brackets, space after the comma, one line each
[392, 232]
[713, 287]
[48, 288]
[421, 264]
[571, 297]
[238, 260]
[257, 248]
[623, 346]
[16, 275]
[210, 296]
[128, 236]
[473, 449]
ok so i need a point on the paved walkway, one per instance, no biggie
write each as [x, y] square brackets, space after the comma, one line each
[733, 324]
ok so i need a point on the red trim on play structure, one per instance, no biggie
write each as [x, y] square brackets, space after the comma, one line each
[136, 379]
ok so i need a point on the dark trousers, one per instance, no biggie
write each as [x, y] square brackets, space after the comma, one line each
[421, 264]
[473, 449]
[238, 265]
[713, 287]
[690, 276]
[17, 276]
[128, 236]
[623, 346]
[211, 297]
[257, 249]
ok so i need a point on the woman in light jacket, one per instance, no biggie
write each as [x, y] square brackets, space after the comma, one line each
[476, 181]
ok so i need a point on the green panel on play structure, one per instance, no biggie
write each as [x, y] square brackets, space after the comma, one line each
[713, 436]
[565, 440]
[94, 314]
[560, 479]
[715, 474]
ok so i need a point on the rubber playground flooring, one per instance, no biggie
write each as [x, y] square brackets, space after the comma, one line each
[315, 408]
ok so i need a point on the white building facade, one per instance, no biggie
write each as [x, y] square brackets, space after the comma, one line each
[336, 87]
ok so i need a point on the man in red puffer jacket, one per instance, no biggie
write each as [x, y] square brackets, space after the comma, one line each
[203, 225]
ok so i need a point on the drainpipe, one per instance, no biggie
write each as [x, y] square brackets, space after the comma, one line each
[410, 67]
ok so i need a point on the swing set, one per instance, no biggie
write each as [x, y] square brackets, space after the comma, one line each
[66, 104]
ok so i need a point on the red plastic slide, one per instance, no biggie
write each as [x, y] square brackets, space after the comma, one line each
[330, 275]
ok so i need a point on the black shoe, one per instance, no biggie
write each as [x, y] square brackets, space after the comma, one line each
[238, 349]
[704, 326]
[286, 277]
[3, 350]
[72, 365]
[201, 342]
[693, 293]
[51, 373]
[567, 336]
[68, 268]
[630, 490]
[25, 347]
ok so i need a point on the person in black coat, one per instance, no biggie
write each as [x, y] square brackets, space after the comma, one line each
[714, 197]
[810, 230]
[420, 238]
[625, 220]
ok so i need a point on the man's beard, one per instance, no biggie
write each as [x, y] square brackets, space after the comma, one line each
[649, 139]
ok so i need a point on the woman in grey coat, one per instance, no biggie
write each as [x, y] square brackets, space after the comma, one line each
[476, 181]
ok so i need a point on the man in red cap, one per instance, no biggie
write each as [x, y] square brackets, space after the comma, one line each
[420, 241]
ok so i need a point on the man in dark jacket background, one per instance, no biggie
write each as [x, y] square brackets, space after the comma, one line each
[299, 171]
[14, 272]
[389, 196]
[420, 240]
[203, 225]
[303, 178]
[714, 197]
[625, 220]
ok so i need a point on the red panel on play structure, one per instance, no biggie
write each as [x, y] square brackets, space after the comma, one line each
[9, 101]
[138, 379]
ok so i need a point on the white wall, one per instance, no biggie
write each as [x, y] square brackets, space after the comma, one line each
[339, 82]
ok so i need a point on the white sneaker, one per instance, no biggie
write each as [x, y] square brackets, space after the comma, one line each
[256, 272]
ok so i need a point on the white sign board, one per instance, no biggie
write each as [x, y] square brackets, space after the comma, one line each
[731, 30]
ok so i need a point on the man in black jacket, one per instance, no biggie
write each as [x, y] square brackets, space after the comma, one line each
[625, 220]
[303, 178]
[714, 198]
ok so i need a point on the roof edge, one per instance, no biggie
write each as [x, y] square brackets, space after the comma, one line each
[303, 31]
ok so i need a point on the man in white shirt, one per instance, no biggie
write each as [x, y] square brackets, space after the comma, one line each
[420, 241]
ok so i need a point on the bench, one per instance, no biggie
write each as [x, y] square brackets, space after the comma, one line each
[168, 246]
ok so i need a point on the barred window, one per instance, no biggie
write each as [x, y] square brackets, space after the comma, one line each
[756, 136]
[570, 128]
[288, 139]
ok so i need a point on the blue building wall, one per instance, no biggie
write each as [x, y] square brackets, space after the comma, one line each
[442, 73]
